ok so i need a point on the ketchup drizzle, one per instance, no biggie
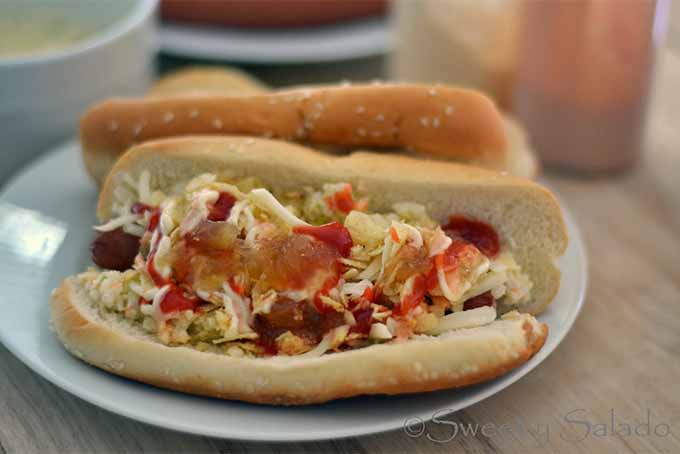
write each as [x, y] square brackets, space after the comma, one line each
[327, 286]
[479, 233]
[363, 319]
[222, 208]
[333, 233]
[176, 300]
[154, 218]
[342, 200]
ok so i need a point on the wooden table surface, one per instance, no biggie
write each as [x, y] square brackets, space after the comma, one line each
[620, 360]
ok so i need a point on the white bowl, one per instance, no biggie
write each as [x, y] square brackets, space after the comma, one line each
[42, 95]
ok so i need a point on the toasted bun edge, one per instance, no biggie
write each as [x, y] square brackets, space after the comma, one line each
[452, 360]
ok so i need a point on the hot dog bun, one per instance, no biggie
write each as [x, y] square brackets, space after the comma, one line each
[522, 160]
[525, 215]
[454, 359]
[226, 80]
[207, 79]
[443, 121]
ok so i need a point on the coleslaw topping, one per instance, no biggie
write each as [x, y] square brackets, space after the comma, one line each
[228, 266]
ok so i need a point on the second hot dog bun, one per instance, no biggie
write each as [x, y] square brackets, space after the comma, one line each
[444, 121]
[206, 79]
[231, 81]
[522, 160]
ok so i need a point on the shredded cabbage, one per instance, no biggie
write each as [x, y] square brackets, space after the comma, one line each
[465, 319]
[265, 200]
[374, 262]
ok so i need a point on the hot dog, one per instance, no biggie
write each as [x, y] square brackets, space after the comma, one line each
[271, 273]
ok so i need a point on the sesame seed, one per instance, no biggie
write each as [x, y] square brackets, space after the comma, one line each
[113, 126]
[504, 173]
[316, 115]
[249, 141]
[300, 132]
[380, 117]
[217, 123]
[319, 106]
[361, 109]
[193, 113]
[361, 132]
[168, 117]
[376, 133]
[306, 94]
[432, 91]
[449, 110]
[425, 121]
[345, 83]
[435, 122]
[272, 101]
[268, 134]
[376, 82]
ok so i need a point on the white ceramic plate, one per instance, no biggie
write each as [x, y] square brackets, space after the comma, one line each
[46, 214]
[354, 39]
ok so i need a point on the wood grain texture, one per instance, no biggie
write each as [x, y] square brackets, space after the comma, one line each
[622, 354]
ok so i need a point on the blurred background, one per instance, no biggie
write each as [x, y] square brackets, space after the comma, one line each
[592, 85]
[577, 75]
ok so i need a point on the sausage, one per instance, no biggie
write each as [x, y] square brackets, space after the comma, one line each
[114, 250]
[302, 319]
[485, 299]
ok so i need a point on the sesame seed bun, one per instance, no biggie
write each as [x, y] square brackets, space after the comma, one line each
[207, 79]
[525, 215]
[442, 121]
[458, 358]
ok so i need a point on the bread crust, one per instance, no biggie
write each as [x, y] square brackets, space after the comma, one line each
[440, 120]
[452, 360]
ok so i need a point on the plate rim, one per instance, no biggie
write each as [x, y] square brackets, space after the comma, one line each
[575, 241]
[173, 35]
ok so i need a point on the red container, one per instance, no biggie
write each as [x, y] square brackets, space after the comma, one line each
[582, 79]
